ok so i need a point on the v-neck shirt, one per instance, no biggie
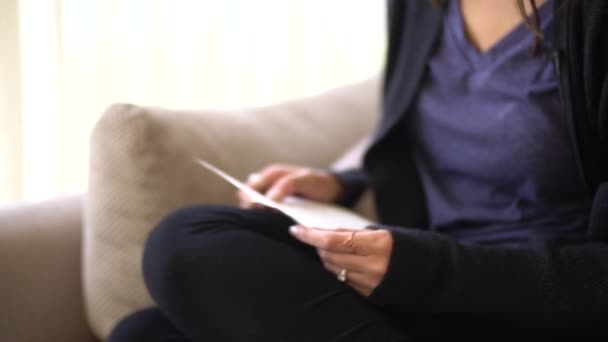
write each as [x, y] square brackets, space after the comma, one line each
[490, 140]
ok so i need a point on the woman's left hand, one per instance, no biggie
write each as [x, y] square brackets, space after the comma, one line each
[362, 256]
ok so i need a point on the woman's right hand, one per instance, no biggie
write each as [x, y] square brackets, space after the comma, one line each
[278, 181]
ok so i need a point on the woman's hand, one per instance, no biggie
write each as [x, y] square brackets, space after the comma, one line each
[279, 181]
[361, 257]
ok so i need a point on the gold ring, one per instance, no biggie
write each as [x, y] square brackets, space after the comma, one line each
[350, 241]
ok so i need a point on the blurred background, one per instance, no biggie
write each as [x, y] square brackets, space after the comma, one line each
[62, 62]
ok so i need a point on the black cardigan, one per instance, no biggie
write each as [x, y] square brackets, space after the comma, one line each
[546, 287]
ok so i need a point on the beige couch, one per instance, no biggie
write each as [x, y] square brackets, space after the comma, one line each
[42, 257]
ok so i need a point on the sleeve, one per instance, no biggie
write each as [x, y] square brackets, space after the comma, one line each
[540, 288]
[354, 182]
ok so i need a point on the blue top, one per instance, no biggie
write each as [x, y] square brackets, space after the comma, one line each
[491, 143]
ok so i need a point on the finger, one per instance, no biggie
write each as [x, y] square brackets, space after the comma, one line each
[357, 280]
[284, 187]
[264, 179]
[292, 184]
[354, 262]
[333, 241]
[362, 290]
[255, 181]
[244, 200]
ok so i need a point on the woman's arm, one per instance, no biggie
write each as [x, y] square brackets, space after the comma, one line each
[542, 287]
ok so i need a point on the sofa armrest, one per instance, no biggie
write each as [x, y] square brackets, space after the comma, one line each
[40, 290]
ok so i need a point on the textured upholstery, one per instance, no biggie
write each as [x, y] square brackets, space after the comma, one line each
[141, 168]
[40, 288]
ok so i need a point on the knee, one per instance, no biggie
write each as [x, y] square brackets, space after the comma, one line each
[165, 239]
[167, 248]
[173, 227]
[144, 325]
[181, 224]
[187, 220]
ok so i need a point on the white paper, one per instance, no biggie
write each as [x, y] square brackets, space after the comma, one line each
[306, 212]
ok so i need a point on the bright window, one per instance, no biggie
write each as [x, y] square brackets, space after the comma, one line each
[78, 56]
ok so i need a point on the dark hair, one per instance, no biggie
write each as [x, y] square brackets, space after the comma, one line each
[533, 22]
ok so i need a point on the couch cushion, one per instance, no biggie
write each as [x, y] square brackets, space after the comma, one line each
[40, 288]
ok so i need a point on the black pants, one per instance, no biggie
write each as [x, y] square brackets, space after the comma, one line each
[224, 274]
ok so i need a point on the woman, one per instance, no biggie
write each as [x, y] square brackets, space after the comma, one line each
[488, 169]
